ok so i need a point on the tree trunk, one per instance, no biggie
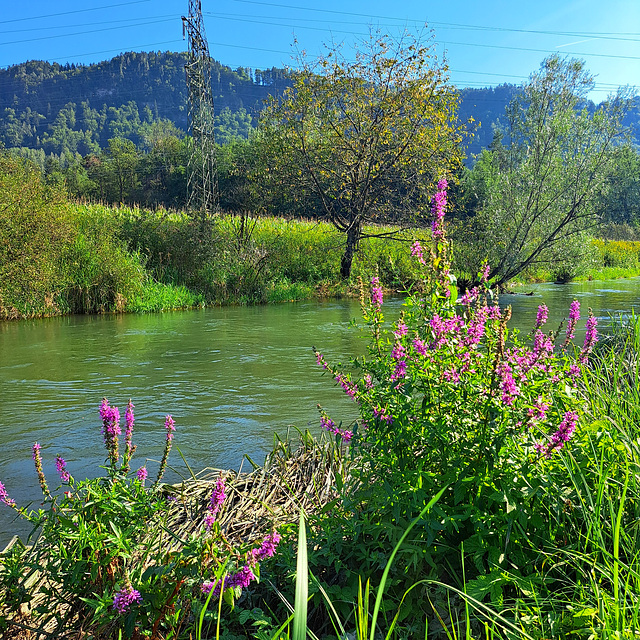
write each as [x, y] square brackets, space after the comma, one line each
[353, 235]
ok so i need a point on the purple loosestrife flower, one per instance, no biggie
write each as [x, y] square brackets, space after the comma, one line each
[401, 330]
[346, 385]
[206, 587]
[507, 384]
[419, 347]
[539, 410]
[398, 351]
[169, 425]
[4, 497]
[574, 316]
[110, 430]
[451, 375]
[574, 371]
[37, 460]
[494, 313]
[241, 578]
[215, 502]
[484, 273]
[376, 293]
[381, 414]
[416, 251]
[469, 296]
[329, 425]
[438, 206]
[61, 466]
[476, 327]
[400, 371]
[543, 315]
[125, 598]
[590, 338]
[267, 549]
[321, 361]
[561, 436]
[142, 474]
[209, 521]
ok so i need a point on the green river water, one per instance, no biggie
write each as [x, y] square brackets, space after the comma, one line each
[230, 377]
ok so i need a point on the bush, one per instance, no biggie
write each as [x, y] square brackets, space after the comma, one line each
[105, 556]
[451, 398]
[36, 235]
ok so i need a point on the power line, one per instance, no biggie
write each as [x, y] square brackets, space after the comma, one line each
[86, 24]
[66, 13]
[603, 35]
[466, 44]
[81, 33]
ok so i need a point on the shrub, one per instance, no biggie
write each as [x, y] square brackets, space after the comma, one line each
[450, 397]
[107, 553]
[35, 237]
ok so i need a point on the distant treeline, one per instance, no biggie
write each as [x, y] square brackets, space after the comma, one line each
[78, 108]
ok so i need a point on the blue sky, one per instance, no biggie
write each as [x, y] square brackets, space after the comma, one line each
[485, 43]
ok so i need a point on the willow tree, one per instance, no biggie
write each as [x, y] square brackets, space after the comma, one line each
[545, 173]
[366, 139]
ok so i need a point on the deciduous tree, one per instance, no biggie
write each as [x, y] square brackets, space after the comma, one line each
[544, 177]
[368, 138]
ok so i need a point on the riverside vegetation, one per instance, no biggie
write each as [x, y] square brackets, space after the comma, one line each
[59, 257]
[491, 491]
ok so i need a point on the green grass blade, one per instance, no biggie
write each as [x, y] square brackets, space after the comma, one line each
[302, 585]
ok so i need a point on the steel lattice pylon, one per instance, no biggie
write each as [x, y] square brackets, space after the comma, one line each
[202, 187]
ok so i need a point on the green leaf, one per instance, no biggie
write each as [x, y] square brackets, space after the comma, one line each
[302, 584]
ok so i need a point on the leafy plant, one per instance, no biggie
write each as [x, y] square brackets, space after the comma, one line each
[108, 550]
[451, 396]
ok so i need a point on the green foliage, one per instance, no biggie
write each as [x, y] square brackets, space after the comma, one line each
[364, 138]
[451, 396]
[107, 552]
[35, 238]
[57, 258]
[78, 108]
[156, 296]
[544, 178]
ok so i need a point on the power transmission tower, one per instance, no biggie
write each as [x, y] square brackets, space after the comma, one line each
[202, 187]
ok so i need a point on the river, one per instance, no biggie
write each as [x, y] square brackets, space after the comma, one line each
[230, 377]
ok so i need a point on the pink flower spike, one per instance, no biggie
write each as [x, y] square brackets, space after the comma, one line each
[169, 425]
[4, 497]
[376, 293]
[416, 251]
[543, 314]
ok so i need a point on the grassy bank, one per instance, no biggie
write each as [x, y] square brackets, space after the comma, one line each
[603, 260]
[78, 258]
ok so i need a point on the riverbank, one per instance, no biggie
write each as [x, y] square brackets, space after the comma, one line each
[118, 260]
[575, 524]
[59, 257]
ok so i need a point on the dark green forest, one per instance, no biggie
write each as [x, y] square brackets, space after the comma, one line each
[70, 108]
[77, 109]
[115, 131]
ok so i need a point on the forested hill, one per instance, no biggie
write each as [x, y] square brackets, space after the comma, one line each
[77, 108]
